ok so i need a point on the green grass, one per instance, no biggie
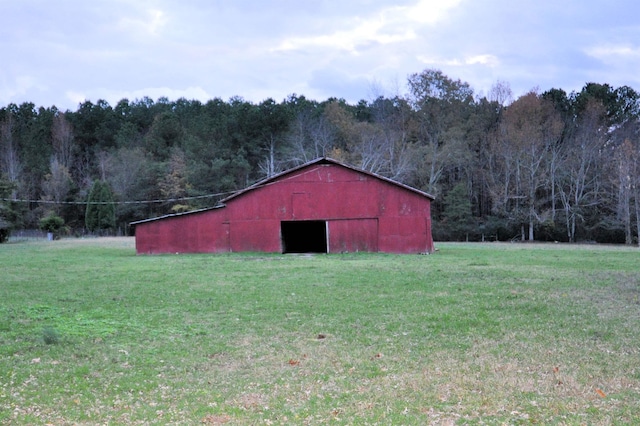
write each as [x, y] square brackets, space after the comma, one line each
[90, 333]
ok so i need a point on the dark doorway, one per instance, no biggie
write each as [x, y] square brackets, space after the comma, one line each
[305, 236]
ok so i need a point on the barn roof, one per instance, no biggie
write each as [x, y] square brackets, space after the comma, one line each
[176, 214]
[281, 175]
[322, 160]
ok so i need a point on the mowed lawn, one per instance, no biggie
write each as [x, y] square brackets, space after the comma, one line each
[495, 333]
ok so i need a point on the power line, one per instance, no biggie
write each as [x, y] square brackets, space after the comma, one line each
[158, 201]
[260, 184]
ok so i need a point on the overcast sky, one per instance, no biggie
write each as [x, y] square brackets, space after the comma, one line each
[66, 51]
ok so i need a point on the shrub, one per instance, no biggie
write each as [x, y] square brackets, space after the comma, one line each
[50, 336]
[4, 230]
[51, 223]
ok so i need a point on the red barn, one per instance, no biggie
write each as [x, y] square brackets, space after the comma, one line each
[323, 206]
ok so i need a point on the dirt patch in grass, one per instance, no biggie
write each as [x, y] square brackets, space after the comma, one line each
[116, 242]
[611, 295]
[213, 419]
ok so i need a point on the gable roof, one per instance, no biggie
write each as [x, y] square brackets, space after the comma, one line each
[176, 214]
[322, 160]
[279, 176]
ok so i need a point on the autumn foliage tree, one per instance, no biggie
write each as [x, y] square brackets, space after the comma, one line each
[174, 184]
[628, 182]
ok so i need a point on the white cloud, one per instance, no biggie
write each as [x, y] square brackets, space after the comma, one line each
[490, 61]
[75, 97]
[389, 25]
[613, 51]
[149, 23]
[366, 33]
[619, 64]
[427, 11]
[20, 86]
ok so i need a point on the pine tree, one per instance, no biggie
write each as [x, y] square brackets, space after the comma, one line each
[6, 213]
[100, 215]
[457, 211]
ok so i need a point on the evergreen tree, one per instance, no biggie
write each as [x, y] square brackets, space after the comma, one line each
[101, 211]
[7, 215]
[457, 212]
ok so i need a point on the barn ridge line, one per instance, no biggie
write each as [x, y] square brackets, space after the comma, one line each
[277, 179]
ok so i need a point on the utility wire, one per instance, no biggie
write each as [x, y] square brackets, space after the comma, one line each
[167, 200]
[257, 185]
[261, 184]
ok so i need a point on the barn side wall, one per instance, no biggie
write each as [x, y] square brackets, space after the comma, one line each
[203, 232]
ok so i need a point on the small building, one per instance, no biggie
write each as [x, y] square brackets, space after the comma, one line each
[323, 206]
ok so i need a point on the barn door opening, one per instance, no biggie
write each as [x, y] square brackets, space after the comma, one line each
[304, 236]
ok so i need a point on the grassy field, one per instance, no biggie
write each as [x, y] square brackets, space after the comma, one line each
[90, 333]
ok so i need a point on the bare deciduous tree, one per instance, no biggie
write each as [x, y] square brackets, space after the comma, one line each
[393, 116]
[57, 185]
[501, 93]
[579, 187]
[309, 138]
[628, 167]
[440, 105]
[9, 162]
[529, 128]
[62, 140]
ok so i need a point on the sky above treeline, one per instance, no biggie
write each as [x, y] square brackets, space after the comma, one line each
[65, 52]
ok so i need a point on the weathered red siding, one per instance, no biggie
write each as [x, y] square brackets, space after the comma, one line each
[363, 212]
[350, 235]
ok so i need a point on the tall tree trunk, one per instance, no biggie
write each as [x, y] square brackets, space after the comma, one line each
[626, 215]
[637, 206]
[272, 157]
[552, 170]
[628, 236]
[567, 219]
[9, 161]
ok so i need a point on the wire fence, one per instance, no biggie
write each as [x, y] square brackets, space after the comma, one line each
[27, 235]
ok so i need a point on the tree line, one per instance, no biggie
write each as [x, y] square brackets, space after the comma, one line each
[546, 166]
